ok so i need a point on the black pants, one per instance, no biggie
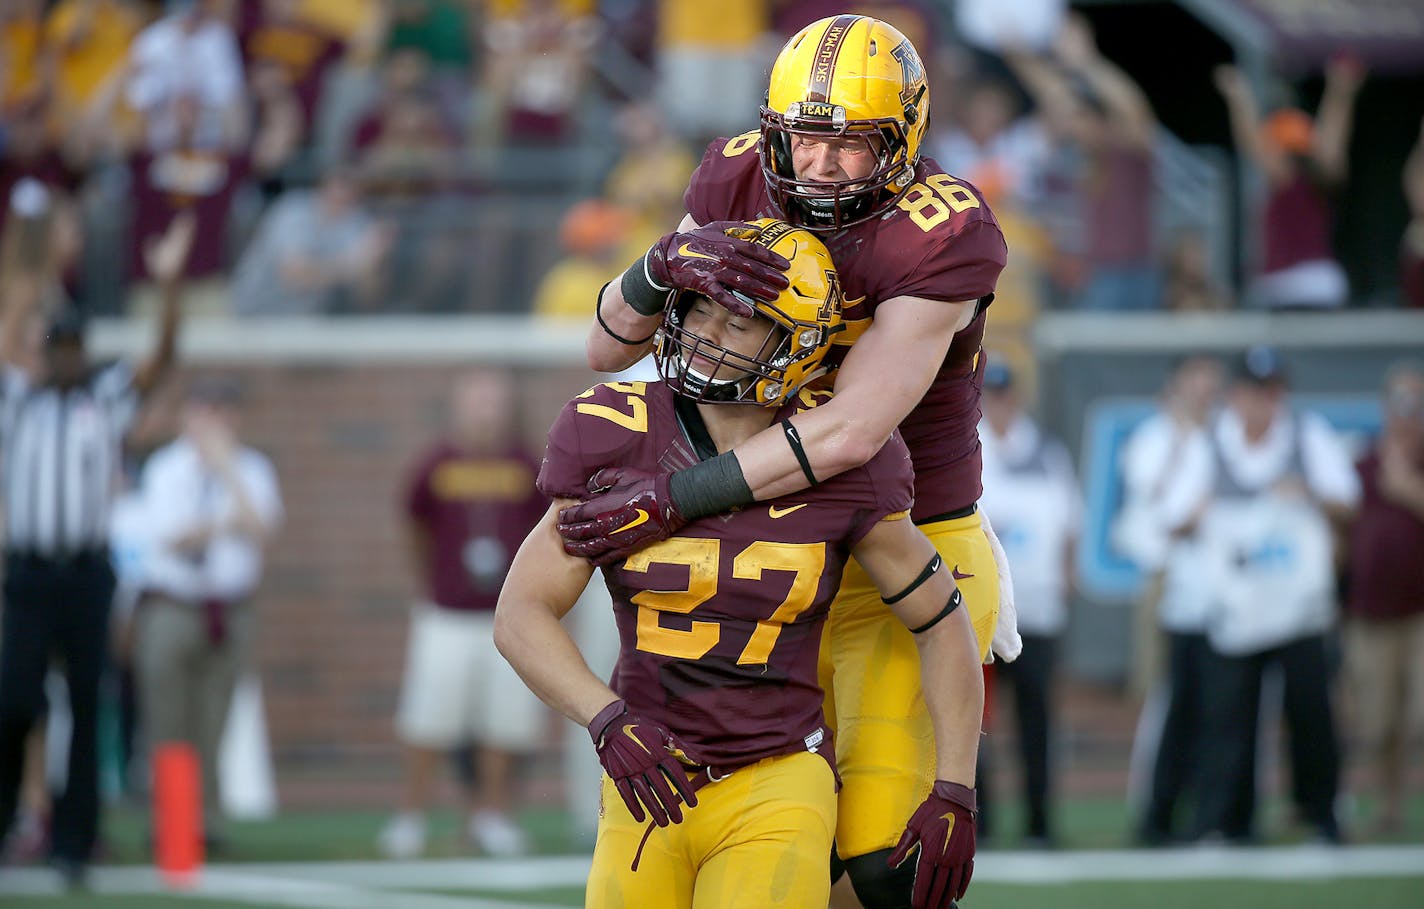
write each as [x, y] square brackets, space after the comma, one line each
[1174, 771]
[1232, 708]
[55, 607]
[1030, 678]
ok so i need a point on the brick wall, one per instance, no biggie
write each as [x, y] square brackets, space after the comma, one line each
[333, 608]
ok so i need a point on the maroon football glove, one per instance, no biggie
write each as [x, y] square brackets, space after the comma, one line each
[943, 825]
[638, 755]
[630, 509]
[709, 262]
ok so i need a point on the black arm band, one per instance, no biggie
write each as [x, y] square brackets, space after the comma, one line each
[955, 599]
[598, 314]
[712, 486]
[641, 294]
[793, 438]
[930, 568]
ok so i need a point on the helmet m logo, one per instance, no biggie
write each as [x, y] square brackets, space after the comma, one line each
[912, 71]
[833, 293]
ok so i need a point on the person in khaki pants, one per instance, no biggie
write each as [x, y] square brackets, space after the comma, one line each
[212, 503]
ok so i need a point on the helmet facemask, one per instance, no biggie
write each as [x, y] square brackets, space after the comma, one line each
[754, 375]
[832, 205]
[790, 353]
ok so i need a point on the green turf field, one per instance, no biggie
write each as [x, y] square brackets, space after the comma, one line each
[326, 860]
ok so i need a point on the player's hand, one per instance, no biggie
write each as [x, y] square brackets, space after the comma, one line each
[711, 262]
[943, 826]
[629, 509]
[639, 756]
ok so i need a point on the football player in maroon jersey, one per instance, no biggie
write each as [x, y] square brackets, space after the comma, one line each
[712, 723]
[918, 253]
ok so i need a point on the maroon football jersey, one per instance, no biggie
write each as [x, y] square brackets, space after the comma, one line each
[940, 242]
[721, 624]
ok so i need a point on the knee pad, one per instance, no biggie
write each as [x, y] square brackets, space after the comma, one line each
[877, 885]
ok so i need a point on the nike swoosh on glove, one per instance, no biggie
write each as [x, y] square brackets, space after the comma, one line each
[631, 509]
[638, 755]
[711, 260]
[943, 826]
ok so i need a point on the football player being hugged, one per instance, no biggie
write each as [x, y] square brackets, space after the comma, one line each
[720, 786]
[918, 254]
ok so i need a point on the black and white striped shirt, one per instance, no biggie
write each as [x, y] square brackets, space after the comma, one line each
[62, 455]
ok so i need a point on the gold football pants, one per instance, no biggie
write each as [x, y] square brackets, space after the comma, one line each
[870, 671]
[758, 838]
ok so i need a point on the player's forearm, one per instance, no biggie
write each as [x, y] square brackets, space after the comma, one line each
[536, 644]
[542, 586]
[607, 353]
[886, 373]
[953, 685]
[832, 441]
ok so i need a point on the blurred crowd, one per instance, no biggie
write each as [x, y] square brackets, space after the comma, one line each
[315, 157]
[358, 156]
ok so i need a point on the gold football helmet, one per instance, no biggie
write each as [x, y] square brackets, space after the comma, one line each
[805, 317]
[839, 77]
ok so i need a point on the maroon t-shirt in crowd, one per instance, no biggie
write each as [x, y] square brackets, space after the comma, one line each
[1296, 225]
[1386, 580]
[721, 624]
[941, 242]
[166, 183]
[1118, 196]
[303, 51]
[477, 509]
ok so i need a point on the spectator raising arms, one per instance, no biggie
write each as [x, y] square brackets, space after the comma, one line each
[1304, 162]
[1093, 106]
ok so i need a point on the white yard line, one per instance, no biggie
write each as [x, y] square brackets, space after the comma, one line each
[388, 885]
[236, 882]
[446, 874]
[1222, 863]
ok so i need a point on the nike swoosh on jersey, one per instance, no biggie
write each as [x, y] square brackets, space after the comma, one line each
[958, 576]
[684, 251]
[641, 518]
[783, 512]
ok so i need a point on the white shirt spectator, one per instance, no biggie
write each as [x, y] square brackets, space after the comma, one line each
[1152, 460]
[181, 495]
[997, 24]
[1012, 162]
[1031, 495]
[171, 59]
[1329, 472]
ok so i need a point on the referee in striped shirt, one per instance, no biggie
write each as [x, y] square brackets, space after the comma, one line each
[61, 438]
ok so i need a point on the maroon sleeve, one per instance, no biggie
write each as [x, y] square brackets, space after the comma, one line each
[582, 443]
[890, 480]
[963, 265]
[727, 185]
